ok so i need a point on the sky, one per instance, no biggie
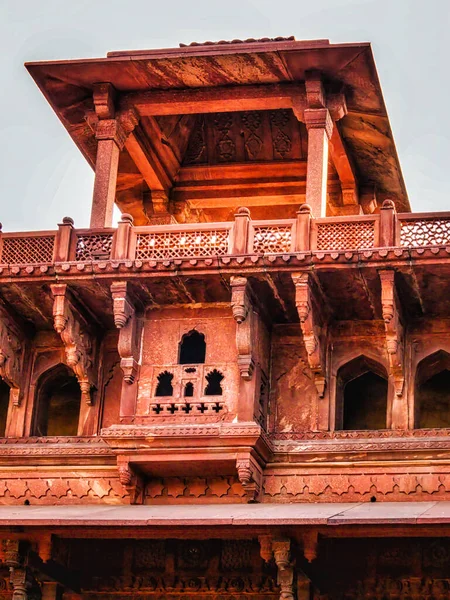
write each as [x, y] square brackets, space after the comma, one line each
[43, 176]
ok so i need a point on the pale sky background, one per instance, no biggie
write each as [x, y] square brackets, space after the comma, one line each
[43, 175]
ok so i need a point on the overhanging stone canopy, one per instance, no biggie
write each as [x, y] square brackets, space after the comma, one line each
[192, 133]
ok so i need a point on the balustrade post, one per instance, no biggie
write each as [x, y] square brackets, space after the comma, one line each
[121, 246]
[240, 231]
[388, 225]
[303, 229]
[64, 241]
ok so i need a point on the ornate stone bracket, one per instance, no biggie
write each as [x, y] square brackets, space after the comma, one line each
[132, 481]
[126, 321]
[311, 330]
[12, 349]
[77, 339]
[394, 329]
[243, 315]
[250, 475]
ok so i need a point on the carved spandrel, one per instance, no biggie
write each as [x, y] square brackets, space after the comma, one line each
[77, 340]
[126, 321]
[393, 328]
[243, 315]
[12, 348]
[312, 330]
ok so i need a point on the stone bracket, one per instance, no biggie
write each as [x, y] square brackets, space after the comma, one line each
[126, 321]
[12, 351]
[241, 307]
[77, 337]
[313, 334]
[250, 475]
[132, 481]
[394, 329]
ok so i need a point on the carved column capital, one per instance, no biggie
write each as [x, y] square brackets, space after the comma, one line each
[111, 129]
[281, 552]
[319, 118]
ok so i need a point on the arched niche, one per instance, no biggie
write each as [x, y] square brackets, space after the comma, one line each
[432, 391]
[192, 349]
[361, 395]
[57, 403]
[4, 405]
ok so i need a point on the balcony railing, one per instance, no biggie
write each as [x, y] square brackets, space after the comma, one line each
[239, 237]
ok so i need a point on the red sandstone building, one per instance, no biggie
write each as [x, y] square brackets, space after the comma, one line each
[242, 392]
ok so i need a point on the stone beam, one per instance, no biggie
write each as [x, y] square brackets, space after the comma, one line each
[217, 99]
[341, 162]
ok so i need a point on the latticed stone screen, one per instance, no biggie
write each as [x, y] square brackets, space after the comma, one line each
[22, 250]
[345, 236]
[425, 232]
[272, 239]
[94, 246]
[182, 244]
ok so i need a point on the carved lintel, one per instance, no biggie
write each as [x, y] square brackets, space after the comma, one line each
[131, 480]
[250, 475]
[126, 321]
[243, 314]
[12, 349]
[311, 330]
[393, 328]
[265, 547]
[77, 340]
[281, 552]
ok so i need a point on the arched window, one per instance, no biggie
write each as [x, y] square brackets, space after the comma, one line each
[432, 391]
[192, 348]
[213, 387]
[361, 395]
[189, 389]
[4, 405]
[164, 387]
[58, 401]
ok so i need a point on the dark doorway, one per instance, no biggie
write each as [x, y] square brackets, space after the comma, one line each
[57, 403]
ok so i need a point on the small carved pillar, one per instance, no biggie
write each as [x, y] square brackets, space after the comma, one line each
[398, 413]
[388, 225]
[78, 343]
[320, 128]
[241, 231]
[111, 136]
[64, 242]
[121, 249]
[21, 578]
[281, 552]
[129, 345]
[303, 231]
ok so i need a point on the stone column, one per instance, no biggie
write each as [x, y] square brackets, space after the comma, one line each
[111, 138]
[320, 127]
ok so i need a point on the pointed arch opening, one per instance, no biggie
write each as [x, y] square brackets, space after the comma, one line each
[361, 395]
[192, 349]
[164, 386]
[57, 406]
[214, 383]
[4, 405]
[432, 391]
